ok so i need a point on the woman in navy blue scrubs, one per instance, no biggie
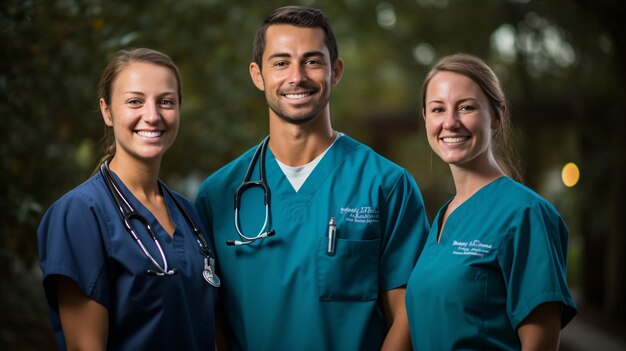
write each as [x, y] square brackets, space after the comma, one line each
[102, 289]
[492, 273]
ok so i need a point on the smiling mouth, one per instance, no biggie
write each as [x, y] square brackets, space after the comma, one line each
[298, 95]
[150, 134]
[454, 139]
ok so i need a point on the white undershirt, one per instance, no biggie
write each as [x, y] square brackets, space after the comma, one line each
[298, 175]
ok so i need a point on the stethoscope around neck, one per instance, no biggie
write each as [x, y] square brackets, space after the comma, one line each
[129, 213]
[246, 184]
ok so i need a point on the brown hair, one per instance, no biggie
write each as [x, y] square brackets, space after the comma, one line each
[298, 16]
[478, 71]
[121, 60]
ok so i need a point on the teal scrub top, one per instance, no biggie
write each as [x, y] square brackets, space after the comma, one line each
[285, 292]
[502, 253]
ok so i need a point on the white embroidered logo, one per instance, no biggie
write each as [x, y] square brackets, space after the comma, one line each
[473, 248]
[364, 214]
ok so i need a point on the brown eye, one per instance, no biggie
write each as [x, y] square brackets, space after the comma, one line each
[437, 110]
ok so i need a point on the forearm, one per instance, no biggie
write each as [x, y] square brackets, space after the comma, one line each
[541, 329]
[398, 336]
[84, 321]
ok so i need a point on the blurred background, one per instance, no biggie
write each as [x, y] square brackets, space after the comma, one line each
[562, 63]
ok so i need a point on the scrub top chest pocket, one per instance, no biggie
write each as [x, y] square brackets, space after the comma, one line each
[351, 273]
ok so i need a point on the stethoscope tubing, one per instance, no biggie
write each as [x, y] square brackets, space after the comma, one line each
[129, 213]
[265, 231]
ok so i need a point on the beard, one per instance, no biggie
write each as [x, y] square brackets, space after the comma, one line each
[304, 113]
[296, 118]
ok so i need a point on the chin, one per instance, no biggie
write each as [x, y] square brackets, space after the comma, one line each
[301, 119]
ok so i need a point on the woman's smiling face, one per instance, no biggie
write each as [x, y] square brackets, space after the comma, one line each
[144, 110]
[459, 119]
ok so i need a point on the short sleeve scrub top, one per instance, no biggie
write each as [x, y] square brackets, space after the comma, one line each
[501, 254]
[286, 292]
[82, 238]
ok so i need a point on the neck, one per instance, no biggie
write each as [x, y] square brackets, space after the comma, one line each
[298, 144]
[141, 178]
[469, 179]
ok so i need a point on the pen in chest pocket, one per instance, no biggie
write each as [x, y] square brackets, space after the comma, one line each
[332, 236]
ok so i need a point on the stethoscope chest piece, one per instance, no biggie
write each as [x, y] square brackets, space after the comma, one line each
[209, 272]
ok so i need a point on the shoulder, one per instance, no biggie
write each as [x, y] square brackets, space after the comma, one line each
[527, 214]
[364, 156]
[520, 197]
[87, 195]
[79, 212]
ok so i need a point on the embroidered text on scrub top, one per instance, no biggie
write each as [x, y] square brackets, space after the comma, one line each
[474, 248]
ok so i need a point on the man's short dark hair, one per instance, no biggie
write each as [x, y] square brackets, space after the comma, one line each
[298, 16]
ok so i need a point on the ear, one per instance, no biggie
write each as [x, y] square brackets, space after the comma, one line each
[257, 78]
[424, 114]
[106, 113]
[337, 71]
[497, 120]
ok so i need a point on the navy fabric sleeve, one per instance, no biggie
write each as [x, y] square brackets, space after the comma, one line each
[405, 232]
[71, 245]
[533, 259]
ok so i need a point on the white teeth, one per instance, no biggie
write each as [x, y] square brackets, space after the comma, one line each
[149, 134]
[455, 140]
[297, 96]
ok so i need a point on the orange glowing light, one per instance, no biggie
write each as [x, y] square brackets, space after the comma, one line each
[570, 174]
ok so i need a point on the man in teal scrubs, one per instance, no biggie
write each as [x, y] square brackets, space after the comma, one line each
[349, 225]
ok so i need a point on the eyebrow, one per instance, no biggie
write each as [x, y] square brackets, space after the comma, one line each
[173, 92]
[306, 55]
[459, 101]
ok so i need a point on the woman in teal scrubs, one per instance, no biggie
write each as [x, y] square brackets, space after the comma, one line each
[102, 289]
[492, 272]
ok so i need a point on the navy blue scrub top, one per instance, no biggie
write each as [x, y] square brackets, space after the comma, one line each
[82, 237]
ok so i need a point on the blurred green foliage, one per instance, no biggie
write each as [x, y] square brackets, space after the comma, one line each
[560, 62]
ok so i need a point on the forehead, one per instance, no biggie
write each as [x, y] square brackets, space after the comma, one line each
[145, 76]
[453, 85]
[284, 38]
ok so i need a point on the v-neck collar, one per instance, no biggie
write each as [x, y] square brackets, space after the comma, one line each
[334, 156]
[142, 210]
[455, 218]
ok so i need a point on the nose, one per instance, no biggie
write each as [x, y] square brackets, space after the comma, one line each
[451, 120]
[296, 74]
[151, 112]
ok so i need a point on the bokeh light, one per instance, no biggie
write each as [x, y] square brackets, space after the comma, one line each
[570, 174]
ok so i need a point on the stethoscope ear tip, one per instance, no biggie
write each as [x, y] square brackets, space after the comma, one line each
[237, 242]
